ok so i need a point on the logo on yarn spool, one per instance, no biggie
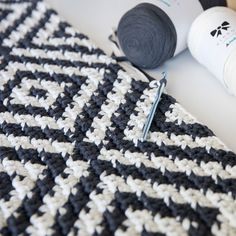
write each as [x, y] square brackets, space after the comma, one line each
[169, 3]
[223, 27]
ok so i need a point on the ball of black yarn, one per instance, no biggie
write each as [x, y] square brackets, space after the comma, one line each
[206, 4]
[147, 36]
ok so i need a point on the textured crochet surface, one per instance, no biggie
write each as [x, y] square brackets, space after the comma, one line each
[71, 162]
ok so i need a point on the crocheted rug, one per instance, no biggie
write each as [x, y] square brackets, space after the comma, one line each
[71, 159]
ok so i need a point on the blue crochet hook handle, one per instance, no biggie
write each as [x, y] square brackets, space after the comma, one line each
[162, 85]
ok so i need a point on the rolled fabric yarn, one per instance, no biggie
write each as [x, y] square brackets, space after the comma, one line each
[212, 41]
[151, 33]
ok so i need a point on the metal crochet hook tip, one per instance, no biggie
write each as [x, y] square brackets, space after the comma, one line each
[162, 85]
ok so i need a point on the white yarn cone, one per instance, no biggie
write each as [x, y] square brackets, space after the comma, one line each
[212, 41]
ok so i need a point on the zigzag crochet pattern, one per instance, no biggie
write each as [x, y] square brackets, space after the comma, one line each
[71, 162]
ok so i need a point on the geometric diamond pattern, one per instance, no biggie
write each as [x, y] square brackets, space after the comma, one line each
[71, 161]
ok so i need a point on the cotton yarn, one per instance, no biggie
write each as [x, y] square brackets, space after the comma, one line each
[212, 41]
[147, 36]
[70, 117]
[151, 33]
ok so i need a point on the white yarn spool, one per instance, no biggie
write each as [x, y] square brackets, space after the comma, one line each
[212, 41]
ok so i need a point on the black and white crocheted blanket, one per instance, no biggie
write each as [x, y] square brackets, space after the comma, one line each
[71, 162]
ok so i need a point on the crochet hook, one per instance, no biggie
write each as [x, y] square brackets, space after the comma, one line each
[162, 85]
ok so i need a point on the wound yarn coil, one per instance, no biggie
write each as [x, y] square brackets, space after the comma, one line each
[212, 42]
[147, 36]
[151, 33]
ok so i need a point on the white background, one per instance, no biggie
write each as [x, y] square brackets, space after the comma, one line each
[191, 84]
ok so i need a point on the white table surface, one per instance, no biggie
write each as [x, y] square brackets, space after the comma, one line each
[191, 84]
